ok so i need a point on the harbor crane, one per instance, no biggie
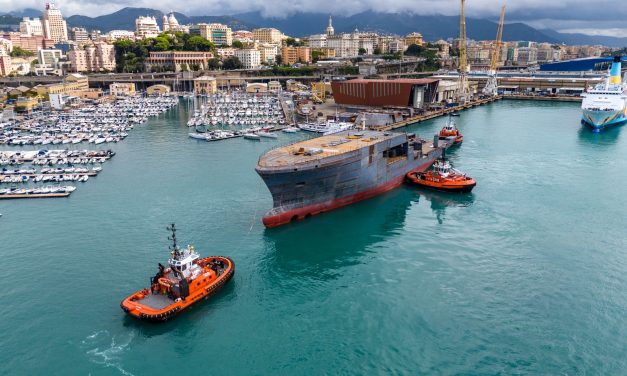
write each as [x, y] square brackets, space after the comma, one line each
[463, 90]
[492, 85]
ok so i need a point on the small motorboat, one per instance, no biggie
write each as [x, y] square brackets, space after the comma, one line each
[267, 134]
[451, 132]
[291, 130]
[187, 280]
[198, 136]
[443, 177]
[454, 113]
[252, 136]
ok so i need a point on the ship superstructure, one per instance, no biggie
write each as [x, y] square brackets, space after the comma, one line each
[606, 104]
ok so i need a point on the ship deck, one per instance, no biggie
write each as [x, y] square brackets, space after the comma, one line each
[322, 147]
[156, 301]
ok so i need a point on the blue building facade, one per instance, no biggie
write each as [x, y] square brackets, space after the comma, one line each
[580, 65]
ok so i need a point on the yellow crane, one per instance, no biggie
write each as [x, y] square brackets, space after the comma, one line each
[491, 87]
[463, 57]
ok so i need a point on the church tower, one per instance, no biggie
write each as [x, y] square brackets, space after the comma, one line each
[330, 30]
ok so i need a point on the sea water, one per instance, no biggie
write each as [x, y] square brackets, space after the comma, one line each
[526, 275]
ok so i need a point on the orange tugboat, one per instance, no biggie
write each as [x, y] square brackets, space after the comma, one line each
[451, 132]
[443, 178]
[186, 281]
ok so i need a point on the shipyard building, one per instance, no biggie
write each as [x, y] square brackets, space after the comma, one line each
[414, 93]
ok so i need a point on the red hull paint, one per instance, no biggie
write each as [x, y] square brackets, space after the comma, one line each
[315, 209]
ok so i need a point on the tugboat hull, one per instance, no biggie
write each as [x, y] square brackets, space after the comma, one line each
[153, 305]
[460, 186]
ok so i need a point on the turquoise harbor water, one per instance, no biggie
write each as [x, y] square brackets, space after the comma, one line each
[524, 276]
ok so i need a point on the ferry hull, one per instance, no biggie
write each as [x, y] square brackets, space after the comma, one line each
[598, 120]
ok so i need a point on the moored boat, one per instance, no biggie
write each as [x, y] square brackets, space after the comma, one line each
[451, 132]
[443, 177]
[187, 280]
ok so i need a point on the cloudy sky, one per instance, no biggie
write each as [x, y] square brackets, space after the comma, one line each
[598, 17]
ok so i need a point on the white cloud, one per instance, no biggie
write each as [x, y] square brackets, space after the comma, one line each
[612, 32]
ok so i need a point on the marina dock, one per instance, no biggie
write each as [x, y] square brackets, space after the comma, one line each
[35, 195]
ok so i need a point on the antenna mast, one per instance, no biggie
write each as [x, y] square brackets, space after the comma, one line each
[174, 247]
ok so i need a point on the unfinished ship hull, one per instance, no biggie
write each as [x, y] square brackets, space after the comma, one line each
[326, 173]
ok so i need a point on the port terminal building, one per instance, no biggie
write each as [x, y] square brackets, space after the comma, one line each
[413, 93]
[581, 65]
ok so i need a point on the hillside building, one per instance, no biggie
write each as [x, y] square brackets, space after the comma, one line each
[250, 57]
[146, 27]
[54, 25]
[218, 34]
[293, 55]
[30, 27]
[267, 35]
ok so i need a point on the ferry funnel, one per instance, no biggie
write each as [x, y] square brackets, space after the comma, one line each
[615, 72]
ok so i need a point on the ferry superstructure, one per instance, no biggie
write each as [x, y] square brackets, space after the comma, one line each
[321, 174]
[606, 104]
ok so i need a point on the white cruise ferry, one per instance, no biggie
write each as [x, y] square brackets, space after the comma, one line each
[606, 104]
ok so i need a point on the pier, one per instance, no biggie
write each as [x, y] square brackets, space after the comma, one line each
[34, 195]
[437, 113]
[543, 98]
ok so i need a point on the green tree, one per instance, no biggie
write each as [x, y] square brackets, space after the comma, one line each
[278, 59]
[231, 63]
[362, 51]
[377, 51]
[414, 50]
[291, 42]
[198, 43]
[315, 55]
[237, 44]
[162, 43]
[20, 52]
[213, 64]
[130, 55]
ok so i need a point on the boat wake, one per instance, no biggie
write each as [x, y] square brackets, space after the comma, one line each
[105, 349]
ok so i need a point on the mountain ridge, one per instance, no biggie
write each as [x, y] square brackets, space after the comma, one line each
[305, 23]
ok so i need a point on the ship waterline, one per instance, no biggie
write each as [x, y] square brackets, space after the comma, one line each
[600, 119]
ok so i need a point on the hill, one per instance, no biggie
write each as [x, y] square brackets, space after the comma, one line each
[302, 24]
[431, 27]
[575, 38]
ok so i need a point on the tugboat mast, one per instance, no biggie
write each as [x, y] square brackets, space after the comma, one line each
[174, 247]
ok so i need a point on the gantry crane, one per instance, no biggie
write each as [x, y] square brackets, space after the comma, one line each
[492, 85]
[463, 57]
